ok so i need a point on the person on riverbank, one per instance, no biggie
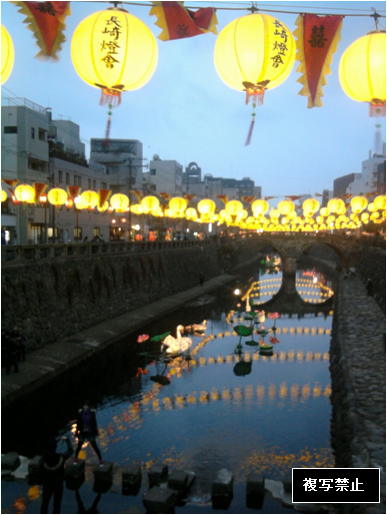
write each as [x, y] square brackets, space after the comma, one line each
[87, 429]
[9, 351]
[52, 473]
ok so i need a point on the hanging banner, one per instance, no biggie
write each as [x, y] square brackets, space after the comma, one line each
[138, 194]
[250, 199]
[166, 196]
[178, 22]
[11, 182]
[39, 188]
[103, 196]
[223, 197]
[317, 38]
[73, 191]
[46, 20]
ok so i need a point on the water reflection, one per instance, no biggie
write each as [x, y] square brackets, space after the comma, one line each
[313, 286]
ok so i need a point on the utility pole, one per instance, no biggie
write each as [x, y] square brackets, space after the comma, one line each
[130, 187]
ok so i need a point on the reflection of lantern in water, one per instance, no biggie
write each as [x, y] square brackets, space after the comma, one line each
[114, 51]
[362, 71]
[254, 53]
[358, 204]
[7, 54]
[25, 193]
[57, 197]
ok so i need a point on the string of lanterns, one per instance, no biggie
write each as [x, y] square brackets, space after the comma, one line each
[255, 217]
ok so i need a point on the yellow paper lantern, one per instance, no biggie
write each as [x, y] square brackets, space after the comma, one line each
[7, 54]
[324, 211]
[206, 207]
[335, 205]
[233, 207]
[178, 205]
[274, 213]
[25, 193]
[89, 199]
[311, 205]
[191, 213]
[358, 204]
[285, 207]
[104, 207]
[3, 195]
[136, 209]
[119, 201]
[380, 202]
[364, 217]
[57, 196]
[254, 53]
[114, 51]
[362, 71]
[150, 204]
[259, 207]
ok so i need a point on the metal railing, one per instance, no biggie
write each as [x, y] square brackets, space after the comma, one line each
[17, 254]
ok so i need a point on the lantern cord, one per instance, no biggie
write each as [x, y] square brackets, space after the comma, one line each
[107, 133]
[249, 135]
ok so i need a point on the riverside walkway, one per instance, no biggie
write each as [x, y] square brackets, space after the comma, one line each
[47, 363]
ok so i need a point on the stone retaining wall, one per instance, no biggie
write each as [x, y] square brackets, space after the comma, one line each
[358, 374]
[372, 264]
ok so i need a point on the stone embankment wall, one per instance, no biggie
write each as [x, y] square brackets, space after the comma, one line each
[358, 374]
[372, 264]
[56, 298]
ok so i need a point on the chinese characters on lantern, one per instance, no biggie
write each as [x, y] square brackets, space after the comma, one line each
[279, 46]
[112, 29]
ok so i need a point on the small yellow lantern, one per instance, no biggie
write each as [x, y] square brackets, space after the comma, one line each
[25, 193]
[324, 211]
[7, 54]
[206, 207]
[259, 207]
[89, 199]
[362, 71]
[3, 195]
[150, 204]
[233, 207]
[254, 53]
[119, 201]
[104, 207]
[57, 197]
[380, 202]
[191, 213]
[136, 209]
[358, 204]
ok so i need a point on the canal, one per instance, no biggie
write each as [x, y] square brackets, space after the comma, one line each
[227, 402]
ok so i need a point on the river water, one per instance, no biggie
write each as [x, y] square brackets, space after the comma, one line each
[227, 407]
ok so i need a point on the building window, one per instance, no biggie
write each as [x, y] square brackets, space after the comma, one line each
[10, 130]
[60, 176]
[153, 171]
[104, 185]
[89, 183]
[33, 132]
[96, 231]
[67, 178]
[42, 134]
[77, 233]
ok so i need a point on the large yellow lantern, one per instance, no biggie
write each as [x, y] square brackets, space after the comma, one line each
[57, 197]
[311, 206]
[25, 193]
[254, 53]
[362, 71]
[119, 201]
[358, 204]
[150, 204]
[336, 205]
[114, 51]
[136, 209]
[285, 207]
[380, 202]
[7, 54]
[233, 207]
[178, 205]
[206, 207]
[89, 199]
[259, 207]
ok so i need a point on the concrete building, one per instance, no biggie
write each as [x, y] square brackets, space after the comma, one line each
[367, 181]
[164, 176]
[341, 184]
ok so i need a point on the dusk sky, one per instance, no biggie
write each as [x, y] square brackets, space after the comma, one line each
[187, 113]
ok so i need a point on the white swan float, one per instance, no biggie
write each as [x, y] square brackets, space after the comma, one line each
[178, 344]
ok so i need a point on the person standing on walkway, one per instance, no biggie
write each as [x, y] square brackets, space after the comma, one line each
[87, 429]
[52, 473]
[10, 350]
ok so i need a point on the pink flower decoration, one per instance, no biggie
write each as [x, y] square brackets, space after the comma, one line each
[274, 315]
[142, 338]
[273, 340]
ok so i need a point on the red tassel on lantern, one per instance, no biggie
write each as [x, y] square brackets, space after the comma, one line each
[257, 95]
